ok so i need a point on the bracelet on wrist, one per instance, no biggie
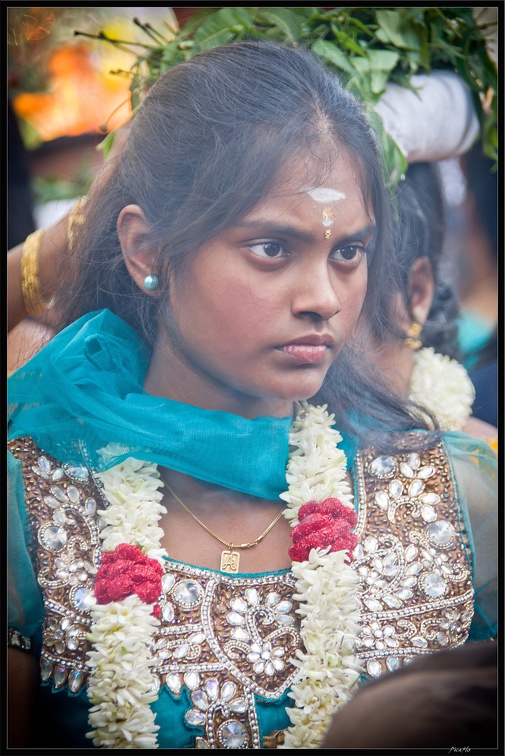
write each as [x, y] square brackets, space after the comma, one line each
[30, 281]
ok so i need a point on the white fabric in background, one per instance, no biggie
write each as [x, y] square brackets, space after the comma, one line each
[436, 122]
[47, 214]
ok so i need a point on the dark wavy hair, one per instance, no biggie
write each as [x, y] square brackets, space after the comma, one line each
[205, 146]
[419, 232]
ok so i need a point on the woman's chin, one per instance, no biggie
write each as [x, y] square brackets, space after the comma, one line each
[300, 390]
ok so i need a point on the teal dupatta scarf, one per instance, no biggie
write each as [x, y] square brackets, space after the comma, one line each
[84, 391]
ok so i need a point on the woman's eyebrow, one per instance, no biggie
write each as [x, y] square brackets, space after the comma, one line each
[368, 232]
[276, 230]
[273, 229]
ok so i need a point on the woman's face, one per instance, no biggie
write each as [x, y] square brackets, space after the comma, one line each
[265, 307]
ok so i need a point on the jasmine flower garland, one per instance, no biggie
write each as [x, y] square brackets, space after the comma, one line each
[124, 618]
[327, 587]
[442, 386]
[120, 685]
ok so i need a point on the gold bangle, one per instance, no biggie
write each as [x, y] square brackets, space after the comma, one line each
[30, 282]
[75, 218]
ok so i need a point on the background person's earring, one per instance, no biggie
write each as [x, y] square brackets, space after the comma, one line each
[151, 282]
[412, 338]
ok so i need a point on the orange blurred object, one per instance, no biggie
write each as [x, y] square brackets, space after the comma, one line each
[80, 99]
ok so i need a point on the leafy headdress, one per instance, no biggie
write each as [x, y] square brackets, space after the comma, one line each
[371, 49]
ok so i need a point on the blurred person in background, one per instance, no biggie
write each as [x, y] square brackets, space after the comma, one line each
[478, 329]
[423, 361]
[446, 700]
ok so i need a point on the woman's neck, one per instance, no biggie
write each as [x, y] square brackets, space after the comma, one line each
[170, 376]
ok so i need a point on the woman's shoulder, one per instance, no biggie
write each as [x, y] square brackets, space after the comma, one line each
[477, 439]
[409, 456]
[30, 457]
[417, 458]
[42, 480]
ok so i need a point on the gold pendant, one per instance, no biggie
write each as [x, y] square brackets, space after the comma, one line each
[230, 561]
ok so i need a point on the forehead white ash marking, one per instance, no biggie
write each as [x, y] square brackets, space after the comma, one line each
[325, 194]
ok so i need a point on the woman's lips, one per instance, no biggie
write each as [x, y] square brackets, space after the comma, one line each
[307, 353]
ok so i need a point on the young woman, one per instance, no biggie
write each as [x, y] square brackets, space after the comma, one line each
[225, 260]
[422, 361]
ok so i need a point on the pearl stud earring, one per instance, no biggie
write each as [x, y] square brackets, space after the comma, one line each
[151, 282]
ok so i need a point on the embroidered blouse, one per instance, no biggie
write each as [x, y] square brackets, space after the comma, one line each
[223, 649]
[426, 554]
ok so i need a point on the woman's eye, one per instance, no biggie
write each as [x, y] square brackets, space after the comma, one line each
[352, 253]
[268, 249]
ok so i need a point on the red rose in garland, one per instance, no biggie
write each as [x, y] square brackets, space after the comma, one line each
[321, 525]
[126, 571]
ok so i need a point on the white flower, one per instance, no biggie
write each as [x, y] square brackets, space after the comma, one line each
[443, 387]
[316, 465]
[328, 669]
[134, 507]
[121, 685]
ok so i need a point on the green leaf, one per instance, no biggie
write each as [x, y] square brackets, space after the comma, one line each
[357, 23]
[331, 53]
[363, 65]
[394, 29]
[307, 13]
[378, 80]
[217, 39]
[414, 59]
[135, 90]
[105, 146]
[384, 60]
[284, 19]
[425, 54]
[171, 54]
[416, 15]
[51, 189]
[347, 42]
[220, 27]
[196, 20]
[375, 69]
[29, 134]
[394, 162]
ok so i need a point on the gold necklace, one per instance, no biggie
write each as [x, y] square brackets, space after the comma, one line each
[230, 559]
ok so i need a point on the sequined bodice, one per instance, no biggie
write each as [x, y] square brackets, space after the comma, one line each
[413, 558]
[226, 642]
[224, 639]
[227, 639]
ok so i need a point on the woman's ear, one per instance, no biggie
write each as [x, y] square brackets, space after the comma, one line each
[139, 252]
[421, 289]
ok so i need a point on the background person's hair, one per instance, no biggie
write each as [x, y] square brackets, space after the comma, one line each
[448, 699]
[419, 232]
[206, 145]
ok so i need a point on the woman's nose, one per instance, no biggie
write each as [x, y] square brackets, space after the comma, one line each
[316, 294]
